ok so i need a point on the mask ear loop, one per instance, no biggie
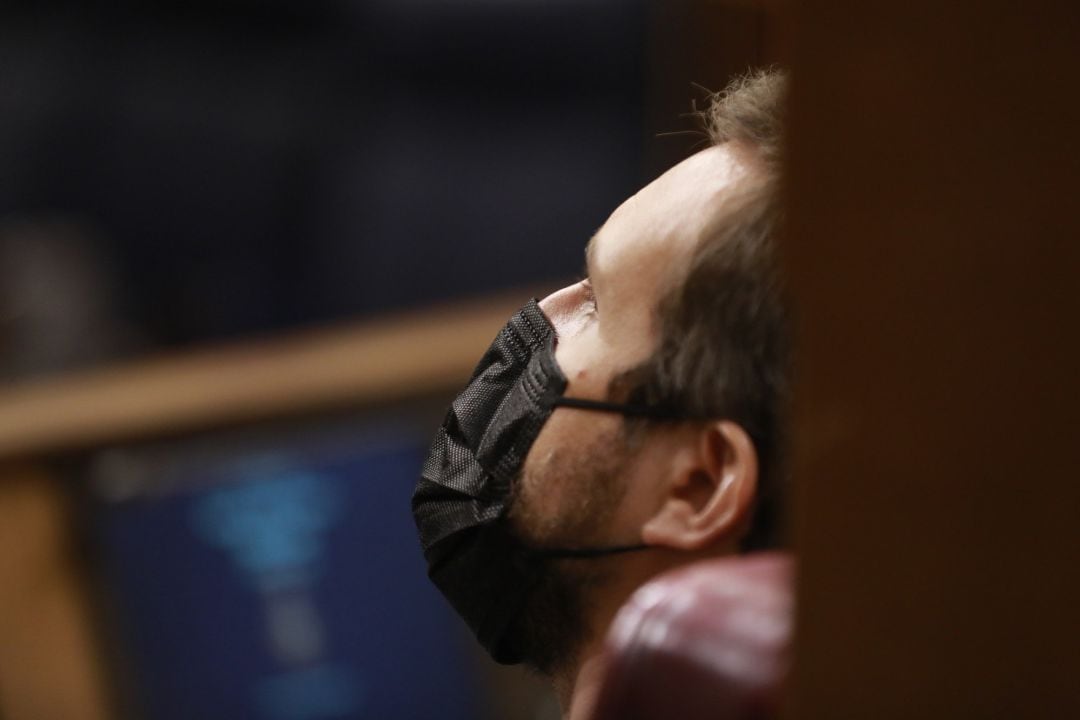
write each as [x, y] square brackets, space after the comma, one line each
[620, 408]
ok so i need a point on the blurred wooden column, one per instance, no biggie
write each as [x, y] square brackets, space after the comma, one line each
[50, 665]
[934, 247]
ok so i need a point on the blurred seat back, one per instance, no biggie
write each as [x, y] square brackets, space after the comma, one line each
[707, 641]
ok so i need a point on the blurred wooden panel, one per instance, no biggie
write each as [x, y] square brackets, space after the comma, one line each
[317, 371]
[50, 660]
[934, 248]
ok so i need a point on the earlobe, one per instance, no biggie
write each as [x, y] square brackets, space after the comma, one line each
[710, 494]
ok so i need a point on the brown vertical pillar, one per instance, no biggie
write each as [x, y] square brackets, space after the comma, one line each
[934, 247]
[49, 655]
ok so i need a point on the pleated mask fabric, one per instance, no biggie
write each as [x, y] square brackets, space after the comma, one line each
[462, 497]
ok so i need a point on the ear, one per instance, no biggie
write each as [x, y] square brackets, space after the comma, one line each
[710, 493]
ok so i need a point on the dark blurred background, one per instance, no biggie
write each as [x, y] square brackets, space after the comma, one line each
[224, 532]
[187, 172]
[179, 176]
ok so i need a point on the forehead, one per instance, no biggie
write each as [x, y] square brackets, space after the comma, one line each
[652, 233]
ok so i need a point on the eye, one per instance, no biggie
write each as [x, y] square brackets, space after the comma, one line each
[590, 297]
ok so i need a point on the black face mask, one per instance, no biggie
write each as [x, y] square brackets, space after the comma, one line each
[461, 500]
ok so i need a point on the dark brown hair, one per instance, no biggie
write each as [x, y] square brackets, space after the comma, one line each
[750, 110]
[724, 349]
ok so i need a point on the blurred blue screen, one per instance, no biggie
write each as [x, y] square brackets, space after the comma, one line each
[279, 582]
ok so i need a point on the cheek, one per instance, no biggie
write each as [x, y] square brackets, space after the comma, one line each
[583, 359]
[536, 508]
[559, 474]
[540, 474]
[546, 467]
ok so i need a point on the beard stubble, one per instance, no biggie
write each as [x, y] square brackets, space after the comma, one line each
[553, 625]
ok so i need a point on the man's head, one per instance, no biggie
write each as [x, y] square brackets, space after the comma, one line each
[680, 310]
[636, 410]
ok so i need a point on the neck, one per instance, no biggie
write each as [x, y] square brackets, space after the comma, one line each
[576, 684]
[578, 689]
[577, 681]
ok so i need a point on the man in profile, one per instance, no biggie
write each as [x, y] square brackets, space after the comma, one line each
[627, 424]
